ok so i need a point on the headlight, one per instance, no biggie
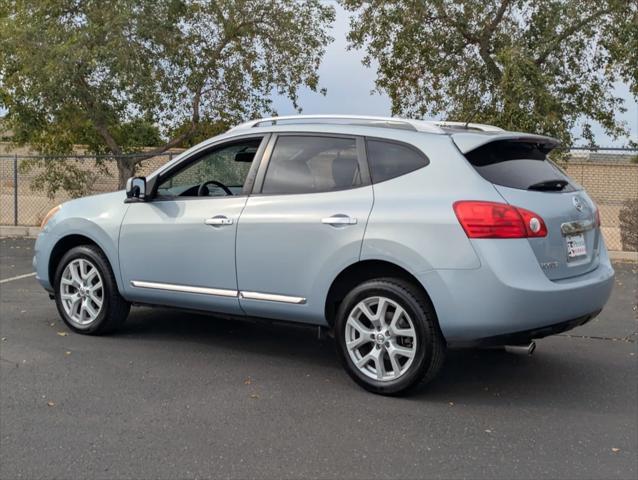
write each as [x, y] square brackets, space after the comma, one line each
[49, 215]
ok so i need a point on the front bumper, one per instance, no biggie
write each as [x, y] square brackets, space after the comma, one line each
[509, 299]
[42, 252]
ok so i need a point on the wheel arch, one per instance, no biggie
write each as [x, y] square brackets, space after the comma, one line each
[66, 243]
[362, 271]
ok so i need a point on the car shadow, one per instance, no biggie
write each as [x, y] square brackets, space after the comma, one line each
[473, 376]
[259, 338]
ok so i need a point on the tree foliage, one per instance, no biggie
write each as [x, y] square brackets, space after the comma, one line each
[543, 66]
[119, 75]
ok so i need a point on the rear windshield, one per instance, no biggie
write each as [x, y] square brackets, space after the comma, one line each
[519, 165]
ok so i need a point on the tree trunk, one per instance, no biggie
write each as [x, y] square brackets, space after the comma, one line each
[125, 170]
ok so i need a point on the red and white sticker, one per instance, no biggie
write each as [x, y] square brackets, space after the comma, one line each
[576, 246]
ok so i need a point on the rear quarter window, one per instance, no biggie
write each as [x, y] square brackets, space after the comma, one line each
[388, 159]
[519, 165]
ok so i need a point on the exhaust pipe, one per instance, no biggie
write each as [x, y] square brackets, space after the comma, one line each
[521, 349]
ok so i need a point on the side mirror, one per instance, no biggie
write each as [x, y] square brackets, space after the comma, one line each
[136, 188]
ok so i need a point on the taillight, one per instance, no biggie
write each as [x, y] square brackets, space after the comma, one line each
[498, 220]
[597, 216]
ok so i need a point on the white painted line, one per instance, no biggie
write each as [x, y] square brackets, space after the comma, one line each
[18, 277]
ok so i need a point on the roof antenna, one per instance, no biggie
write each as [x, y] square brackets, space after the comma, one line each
[467, 124]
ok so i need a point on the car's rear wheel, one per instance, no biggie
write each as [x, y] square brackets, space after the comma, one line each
[387, 336]
[86, 293]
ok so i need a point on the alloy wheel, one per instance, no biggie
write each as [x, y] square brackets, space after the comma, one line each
[380, 338]
[81, 292]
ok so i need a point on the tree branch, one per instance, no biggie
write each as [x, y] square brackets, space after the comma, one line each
[566, 33]
[95, 115]
[182, 137]
[449, 21]
[484, 43]
[482, 40]
[491, 27]
[230, 34]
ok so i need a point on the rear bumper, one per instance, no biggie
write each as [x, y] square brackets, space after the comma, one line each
[509, 299]
[525, 336]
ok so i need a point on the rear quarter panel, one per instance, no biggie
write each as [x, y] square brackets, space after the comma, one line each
[413, 224]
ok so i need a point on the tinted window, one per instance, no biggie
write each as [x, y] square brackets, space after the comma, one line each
[519, 165]
[219, 172]
[388, 159]
[303, 164]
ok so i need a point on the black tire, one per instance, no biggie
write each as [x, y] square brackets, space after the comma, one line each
[430, 345]
[114, 309]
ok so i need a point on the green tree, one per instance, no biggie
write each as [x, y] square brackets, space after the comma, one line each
[118, 75]
[542, 66]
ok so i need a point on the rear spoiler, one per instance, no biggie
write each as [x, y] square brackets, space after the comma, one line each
[468, 141]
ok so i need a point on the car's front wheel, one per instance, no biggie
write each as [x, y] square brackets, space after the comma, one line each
[86, 293]
[387, 336]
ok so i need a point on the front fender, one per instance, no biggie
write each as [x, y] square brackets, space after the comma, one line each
[97, 218]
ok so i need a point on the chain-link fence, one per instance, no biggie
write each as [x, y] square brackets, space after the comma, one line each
[610, 176]
[25, 197]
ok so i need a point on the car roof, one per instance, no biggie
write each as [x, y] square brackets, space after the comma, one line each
[438, 127]
[467, 136]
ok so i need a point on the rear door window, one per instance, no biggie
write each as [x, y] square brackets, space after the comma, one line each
[391, 159]
[311, 164]
[519, 165]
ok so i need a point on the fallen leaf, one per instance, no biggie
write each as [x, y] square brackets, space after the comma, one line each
[255, 396]
[23, 311]
[67, 353]
[615, 450]
[248, 381]
[4, 339]
[488, 431]
[51, 404]
[62, 334]
[451, 404]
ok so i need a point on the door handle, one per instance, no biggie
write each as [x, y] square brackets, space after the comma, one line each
[339, 220]
[218, 220]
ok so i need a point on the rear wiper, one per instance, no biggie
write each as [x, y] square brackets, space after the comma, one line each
[549, 186]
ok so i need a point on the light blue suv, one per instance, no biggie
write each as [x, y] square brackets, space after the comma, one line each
[403, 237]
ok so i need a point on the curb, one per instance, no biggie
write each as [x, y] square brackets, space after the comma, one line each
[32, 232]
[19, 232]
[621, 255]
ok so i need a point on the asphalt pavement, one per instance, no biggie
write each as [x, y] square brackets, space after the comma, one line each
[181, 395]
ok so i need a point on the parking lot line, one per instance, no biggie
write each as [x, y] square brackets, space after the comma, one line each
[18, 277]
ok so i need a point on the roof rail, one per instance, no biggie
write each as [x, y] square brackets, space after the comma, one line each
[481, 127]
[367, 121]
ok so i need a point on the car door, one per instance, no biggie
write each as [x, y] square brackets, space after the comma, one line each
[303, 224]
[178, 248]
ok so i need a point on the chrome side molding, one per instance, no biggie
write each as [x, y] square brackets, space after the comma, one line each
[271, 297]
[578, 226]
[219, 292]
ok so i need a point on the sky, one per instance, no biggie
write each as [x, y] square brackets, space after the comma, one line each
[349, 86]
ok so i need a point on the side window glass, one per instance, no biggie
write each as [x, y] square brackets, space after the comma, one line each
[307, 164]
[219, 172]
[389, 159]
